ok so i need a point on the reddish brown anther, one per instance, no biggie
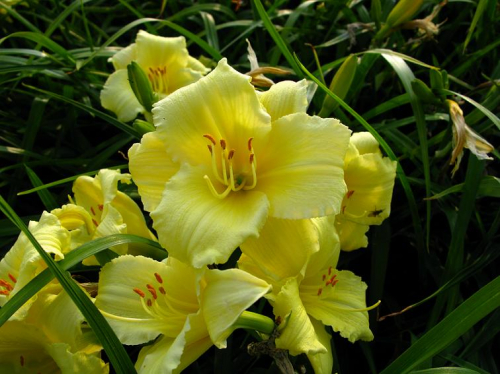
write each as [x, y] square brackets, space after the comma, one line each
[158, 278]
[162, 291]
[12, 278]
[231, 154]
[211, 138]
[349, 194]
[139, 292]
[330, 270]
[152, 291]
[320, 290]
[250, 144]
[149, 302]
[21, 360]
[101, 207]
[209, 148]
[95, 222]
[4, 292]
[92, 210]
[5, 284]
[251, 157]
[223, 144]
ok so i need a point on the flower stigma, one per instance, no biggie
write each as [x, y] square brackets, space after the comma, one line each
[226, 175]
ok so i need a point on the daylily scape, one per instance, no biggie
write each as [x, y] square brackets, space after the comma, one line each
[252, 199]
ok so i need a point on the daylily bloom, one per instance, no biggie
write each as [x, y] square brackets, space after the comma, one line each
[308, 291]
[100, 210]
[144, 299]
[265, 157]
[22, 263]
[464, 136]
[50, 340]
[370, 180]
[165, 61]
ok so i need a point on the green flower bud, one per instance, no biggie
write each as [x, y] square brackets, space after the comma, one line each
[143, 127]
[423, 92]
[141, 85]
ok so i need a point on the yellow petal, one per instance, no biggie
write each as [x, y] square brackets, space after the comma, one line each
[124, 57]
[301, 171]
[77, 363]
[283, 248]
[200, 229]
[321, 362]
[329, 243]
[158, 51]
[365, 143]
[122, 306]
[336, 306]
[227, 294]
[352, 235]
[224, 105]
[370, 181]
[151, 168]
[118, 97]
[297, 333]
[285, 98]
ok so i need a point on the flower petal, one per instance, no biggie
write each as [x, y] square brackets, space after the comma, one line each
[365, 143]
[302, 171]
[200, 229]
[77, 363]
[352, 235]
[118, 97]
[329, 243]
[337, 307]
[223, 104]
[285, 98]
[158, 51]
[321, 362]
[151, 168]
[283, 248]
[227, 294]
[122, 306]
[297, 333]
[370, 181]
[124, 57]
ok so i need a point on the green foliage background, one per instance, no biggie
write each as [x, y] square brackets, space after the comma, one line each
[53, 64]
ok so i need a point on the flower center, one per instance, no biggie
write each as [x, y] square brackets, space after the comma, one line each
[224, 172]
[7, 287]
[159, 80]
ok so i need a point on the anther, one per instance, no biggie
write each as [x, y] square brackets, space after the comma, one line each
[250, 144]
[4, 292]
[162, 291]
[251, 158]
[320, 290]
[95, 222]
[5, 284]
[152, 291]
[330, 270]
[139, 292]
[343, 209]
[223, 144]
[210, 148]
[324, 277]
[231, 154]
[149, 302]
[349, 194]
[158, 278]
[101, 207]
[211, 138]
[21, 360]
[92, 210]
[12, 278]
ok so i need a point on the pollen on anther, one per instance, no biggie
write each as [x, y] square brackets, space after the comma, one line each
[162, 291]
[251, 157]
[211, 138]
[320, 290]
[231, 154]
[223, 144]
[139, 292]
[12, 278]
[101, 207]
[4, 292]
[95, 222]
[349, 193]
[158, 278]
[5, 285]
[152, 291]
[250, 144]
[149, 302]
[92, 210]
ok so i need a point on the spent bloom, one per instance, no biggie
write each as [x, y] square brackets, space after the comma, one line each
[166, 63]
[308, 292]
[370, 181]
[144, 299]
[224, 158]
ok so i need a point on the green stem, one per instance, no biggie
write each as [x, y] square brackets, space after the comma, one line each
[255, 321]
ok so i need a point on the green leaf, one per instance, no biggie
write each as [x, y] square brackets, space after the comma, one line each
[47, 199]
[452, 327]
[489, 186]
[481, 7]
[114, 349]
[446, 370]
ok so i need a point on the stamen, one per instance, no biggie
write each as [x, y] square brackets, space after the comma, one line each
[152, 290]
[211, 138]
[254, 173]
[320, 290]
[324, 277]
[149, 302]
[139, 292]
[101, 207]
[158, 278]
[12, 278]
[360, 309]
[223, 161]
[4, 292]
[330, 270]
[95, 222]
[92, 210]
[210, 148]
[231, 154]
[349, 194]
[214, 191]
[162, 291]
[6, 285]
[250, 144]
[21, 360]
[223, 144]
[343, 209]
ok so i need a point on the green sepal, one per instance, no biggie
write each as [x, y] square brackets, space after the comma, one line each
[143, 127]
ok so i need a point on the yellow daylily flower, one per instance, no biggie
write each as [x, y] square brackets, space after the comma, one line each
[101, 210]
[265, 157]
[22, 262]
[370, 180]
[50, 340]
[165, 61]
[309, 293]
[179, 306]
